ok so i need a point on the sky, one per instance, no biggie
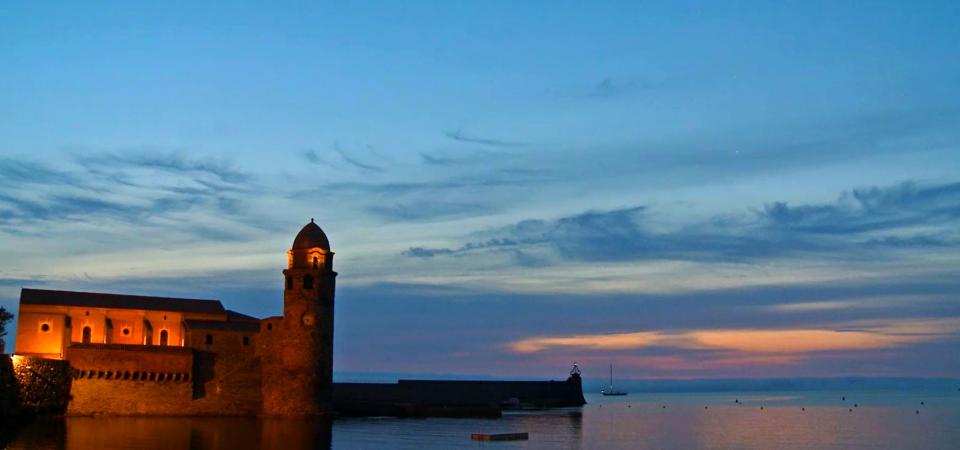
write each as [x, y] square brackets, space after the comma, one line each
[682, 189]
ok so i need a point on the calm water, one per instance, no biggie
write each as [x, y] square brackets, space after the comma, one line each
[788, 420]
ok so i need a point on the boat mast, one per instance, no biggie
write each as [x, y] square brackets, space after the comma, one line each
[611, 376]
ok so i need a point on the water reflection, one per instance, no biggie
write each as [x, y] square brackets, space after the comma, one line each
[883, 420]
[167, 433]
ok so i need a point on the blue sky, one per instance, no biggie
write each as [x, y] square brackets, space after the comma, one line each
[683, 189]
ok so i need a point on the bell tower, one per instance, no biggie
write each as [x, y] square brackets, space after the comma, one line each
[304, 350]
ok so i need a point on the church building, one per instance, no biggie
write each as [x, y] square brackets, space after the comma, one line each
[132, 354]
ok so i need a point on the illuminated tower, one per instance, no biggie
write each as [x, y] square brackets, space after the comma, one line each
[304, 348]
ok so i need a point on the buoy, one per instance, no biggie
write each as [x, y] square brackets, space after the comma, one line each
[856, 405]
[921, 403]
[803, 409]
[761, 408]
[844, 398]
[918, 411]
[705, 407]
[663, 406]
[851, 409]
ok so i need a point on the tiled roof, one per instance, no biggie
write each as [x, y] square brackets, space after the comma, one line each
[118, 301]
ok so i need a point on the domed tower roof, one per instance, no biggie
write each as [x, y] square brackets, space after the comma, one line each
[311, 236]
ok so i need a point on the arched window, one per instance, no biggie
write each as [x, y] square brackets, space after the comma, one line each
[316, 262]
[86, 335]
[164, 336]
[307, 282]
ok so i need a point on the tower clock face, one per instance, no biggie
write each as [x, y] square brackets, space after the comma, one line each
[307, 319]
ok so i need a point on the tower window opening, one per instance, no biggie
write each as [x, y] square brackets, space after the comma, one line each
[316, 262]
[164, 337]
[269, 327]
[45, 327]
[307, 282]
[289, 282]
[246, 340]
[86, 335]
[209, 339]
[125, 331]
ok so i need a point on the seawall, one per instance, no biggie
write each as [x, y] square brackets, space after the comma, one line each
[129, 381]
[454, 398]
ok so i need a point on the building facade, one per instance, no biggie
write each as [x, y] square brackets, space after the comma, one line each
[172, 356]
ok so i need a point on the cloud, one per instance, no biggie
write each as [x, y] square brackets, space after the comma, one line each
[460, 158]
[167, 162]
[755, 341]
[136, 188]
[616, 341]
[459, 136]
[15, 173]
[872, 209]
[427, 211]
[354, 162]
[609, 88]
[859, 220]
[312, 157]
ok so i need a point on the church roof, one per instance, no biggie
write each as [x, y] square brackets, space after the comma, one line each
[311, 236]
[118, 301]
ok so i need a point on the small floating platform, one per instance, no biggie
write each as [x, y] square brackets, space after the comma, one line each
[500, 436]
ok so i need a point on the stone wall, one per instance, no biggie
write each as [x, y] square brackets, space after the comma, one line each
[219, 387]
[222, 378]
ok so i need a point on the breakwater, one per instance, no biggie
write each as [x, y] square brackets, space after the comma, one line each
[454, 398]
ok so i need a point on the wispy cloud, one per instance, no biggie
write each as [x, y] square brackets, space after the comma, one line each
[355, 162]
[460, 136]
[14, 173]
[312, 157]
[461, 158]
[427, 211]
[165, 161]
[134, 188]
[858, 220]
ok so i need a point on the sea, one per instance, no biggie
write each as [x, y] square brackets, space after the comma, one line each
[827, 419]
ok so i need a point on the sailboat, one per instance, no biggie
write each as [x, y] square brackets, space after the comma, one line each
[610, 390]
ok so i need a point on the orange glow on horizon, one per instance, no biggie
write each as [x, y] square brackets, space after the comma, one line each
[620, 341]
[750, 341]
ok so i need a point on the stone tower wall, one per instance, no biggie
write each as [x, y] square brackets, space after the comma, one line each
[297, 377]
